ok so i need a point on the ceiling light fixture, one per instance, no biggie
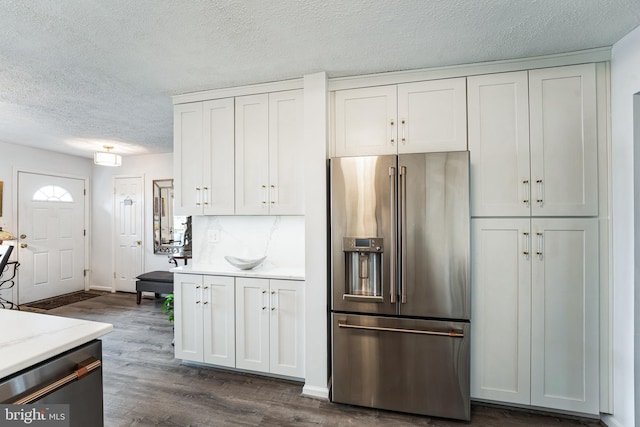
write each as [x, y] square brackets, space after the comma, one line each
[107, 158]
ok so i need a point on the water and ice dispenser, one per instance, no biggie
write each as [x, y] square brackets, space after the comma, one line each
[363, 268]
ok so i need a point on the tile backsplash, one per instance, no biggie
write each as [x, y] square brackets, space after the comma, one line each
[280, 238]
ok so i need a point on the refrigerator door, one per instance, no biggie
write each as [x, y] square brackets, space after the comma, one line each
[363, 234]
[407, 365]
[434, 223]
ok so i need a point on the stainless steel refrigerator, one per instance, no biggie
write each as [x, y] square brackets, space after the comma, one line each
[400, 303]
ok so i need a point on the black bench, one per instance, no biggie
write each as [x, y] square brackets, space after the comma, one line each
[160, 282]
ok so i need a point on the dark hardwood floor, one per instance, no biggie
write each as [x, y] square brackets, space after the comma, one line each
[144, 385]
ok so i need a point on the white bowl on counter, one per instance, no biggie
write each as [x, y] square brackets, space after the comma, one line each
[244, 263]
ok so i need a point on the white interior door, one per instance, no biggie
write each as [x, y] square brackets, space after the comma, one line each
[51, 236]
[129, 194]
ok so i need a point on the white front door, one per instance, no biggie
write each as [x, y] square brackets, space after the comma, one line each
[128, 233]
[51, 236]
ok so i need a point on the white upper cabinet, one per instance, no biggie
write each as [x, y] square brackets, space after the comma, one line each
[269, 138]
[218, 132]
[203, 158]
[533, 143]
[564, 165]
[188, 159]
[499, 144]
[419, 117]
[365, 121]
[432, 116]
[252, 154]
[286, 154]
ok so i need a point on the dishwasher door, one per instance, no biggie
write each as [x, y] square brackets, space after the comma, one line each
[73, 378]
[408, 365]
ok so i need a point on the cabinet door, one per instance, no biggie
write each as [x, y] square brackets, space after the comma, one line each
[187, 306]
[499, 144]
[365, 121]
[252, 324]
[218, 307]
[500, 308]
[432, 116]
[286, 162]
[286, 326]
[188, 162]
[564, 315]
[564, 167]
[252, 155]
[218, 153]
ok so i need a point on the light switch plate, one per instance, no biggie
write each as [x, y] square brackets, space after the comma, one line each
[213, 236]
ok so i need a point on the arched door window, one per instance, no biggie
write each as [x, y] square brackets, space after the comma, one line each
[52, 193]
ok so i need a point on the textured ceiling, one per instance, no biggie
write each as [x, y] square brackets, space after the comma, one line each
[75, 74]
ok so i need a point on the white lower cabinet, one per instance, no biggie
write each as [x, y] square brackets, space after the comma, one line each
[534, 328]
[204, 313]
[245, 323]
[270, 326]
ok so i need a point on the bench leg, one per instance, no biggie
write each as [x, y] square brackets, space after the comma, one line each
[138, 297]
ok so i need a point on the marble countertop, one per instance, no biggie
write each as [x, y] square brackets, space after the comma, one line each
[28, 338]
[229, 270]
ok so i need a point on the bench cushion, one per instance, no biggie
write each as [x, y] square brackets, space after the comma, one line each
[157, 276]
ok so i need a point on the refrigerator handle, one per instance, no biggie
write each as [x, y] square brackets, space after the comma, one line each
[403, 234]
[392, 252]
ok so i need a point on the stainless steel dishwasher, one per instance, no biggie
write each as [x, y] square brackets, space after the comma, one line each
[73, 378]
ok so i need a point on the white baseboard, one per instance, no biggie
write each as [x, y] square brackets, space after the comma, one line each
[610, 420]
[315, 392]
[101, 288]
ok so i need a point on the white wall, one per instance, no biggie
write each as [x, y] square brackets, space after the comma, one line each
[625, 81]
[14, 158]
[150, 167]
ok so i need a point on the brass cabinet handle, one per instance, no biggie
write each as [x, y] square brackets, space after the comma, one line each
[540, 186]
[393, 140]
[540, 243]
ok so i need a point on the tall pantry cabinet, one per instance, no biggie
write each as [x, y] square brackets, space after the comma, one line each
[534, 206]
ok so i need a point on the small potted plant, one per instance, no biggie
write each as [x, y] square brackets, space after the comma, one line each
[167, 307]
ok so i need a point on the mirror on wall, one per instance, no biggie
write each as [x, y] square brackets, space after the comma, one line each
[168, 230]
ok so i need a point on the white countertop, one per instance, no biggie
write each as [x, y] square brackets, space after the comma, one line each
[29, 338]
[229, 270]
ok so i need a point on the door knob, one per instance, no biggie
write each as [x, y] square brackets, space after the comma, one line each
[23, 236]
[139, 242]
[23, 245]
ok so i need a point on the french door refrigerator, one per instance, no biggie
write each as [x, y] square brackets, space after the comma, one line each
[400, 302]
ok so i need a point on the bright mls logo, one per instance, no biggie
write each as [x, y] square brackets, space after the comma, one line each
[54, 415]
